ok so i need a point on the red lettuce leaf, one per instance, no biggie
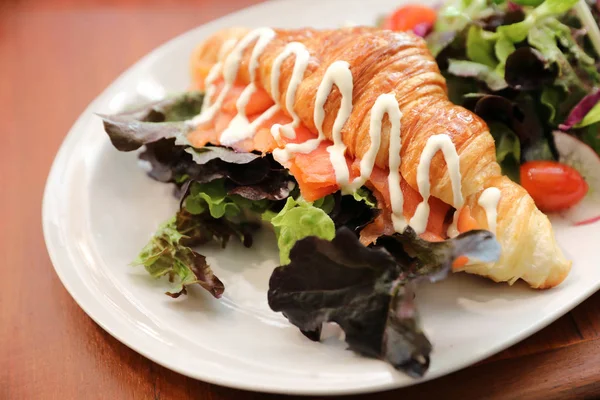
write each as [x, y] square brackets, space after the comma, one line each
[523, 117]
[369, 292]
[527, 69]
[352, 214]
[248, 175]
[168, 254]
[149, 123]
[161, 127]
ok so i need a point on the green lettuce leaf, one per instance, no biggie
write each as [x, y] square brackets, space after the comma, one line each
[508, 149]
[470, 69]
[214, 198]
[453, 18]
[364, 195]
[166, 255]
[529, 3]
[480, 46]
[518, 32]
[299, 219]
[211, 197]
[502, 49]
[551, 98]
[456, 15]
[209, 213]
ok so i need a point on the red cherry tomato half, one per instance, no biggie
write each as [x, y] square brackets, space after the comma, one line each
[408, 17]
[552, 185]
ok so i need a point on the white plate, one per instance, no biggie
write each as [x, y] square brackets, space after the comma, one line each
[100, 209]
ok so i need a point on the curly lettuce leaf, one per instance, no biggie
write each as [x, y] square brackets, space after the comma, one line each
[508, 149]
[529, 3]
[522, 117]
[481, 72]
[364, 195]
[456, 15]
[503, 48]
[354, 212]
[205, 154]
[480, 46]
[166, 255]
[247, 175]
[169, 252]
[130, 130]
[203, 228]
[453, 18]
[526, 69]
[518, 32]
[161, 127]
[211, 197]
[299, 219]
[369, 292]
[543, 38]
[218, 201]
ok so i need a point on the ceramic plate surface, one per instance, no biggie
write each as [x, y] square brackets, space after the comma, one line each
[100, 209]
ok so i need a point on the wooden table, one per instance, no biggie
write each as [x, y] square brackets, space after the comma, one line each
[55, 57]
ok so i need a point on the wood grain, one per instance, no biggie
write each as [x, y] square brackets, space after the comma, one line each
[55, 57]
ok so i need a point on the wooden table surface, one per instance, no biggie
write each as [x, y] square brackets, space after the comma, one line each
[55, 57]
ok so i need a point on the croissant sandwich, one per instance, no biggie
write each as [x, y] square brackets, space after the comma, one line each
[350, 107]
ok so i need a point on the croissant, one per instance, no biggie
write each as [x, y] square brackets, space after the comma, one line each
[329, 83]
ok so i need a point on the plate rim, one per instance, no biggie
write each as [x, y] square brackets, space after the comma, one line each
[59, 256]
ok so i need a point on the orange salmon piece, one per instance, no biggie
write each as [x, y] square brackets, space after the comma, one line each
[465, 221]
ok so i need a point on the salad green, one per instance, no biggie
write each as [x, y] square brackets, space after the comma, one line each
[527, 67]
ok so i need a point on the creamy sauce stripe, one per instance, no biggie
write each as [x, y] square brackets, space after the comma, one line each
[434, 144]
[338, 74]
[215, 72]
[231, 66]
[489, 200]
[300, 65]
[240, 128]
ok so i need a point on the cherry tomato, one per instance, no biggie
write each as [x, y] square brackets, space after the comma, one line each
[408, 17]
[552, 185]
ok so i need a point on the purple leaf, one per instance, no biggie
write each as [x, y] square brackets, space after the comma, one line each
[580, 110]
[369, 291]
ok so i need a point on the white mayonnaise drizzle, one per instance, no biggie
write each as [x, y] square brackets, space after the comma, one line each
[434, 144]
[240, 128]
[387, 103]
[215, 71]
[489, 202]
[230, 69]
[300, 64]
[339, 74]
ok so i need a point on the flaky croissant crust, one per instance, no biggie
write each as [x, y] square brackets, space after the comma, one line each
[400, 63]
